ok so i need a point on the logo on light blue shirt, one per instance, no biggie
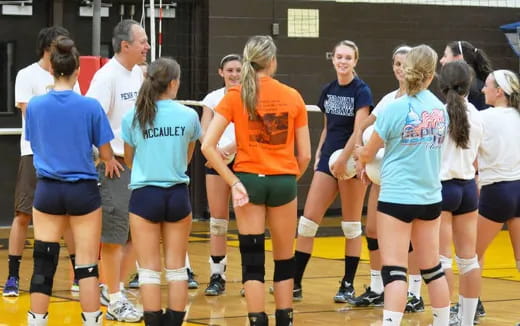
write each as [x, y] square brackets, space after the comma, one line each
[427, 128]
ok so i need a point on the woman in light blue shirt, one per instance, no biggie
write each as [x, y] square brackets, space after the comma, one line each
[412, 130]
[160, 137]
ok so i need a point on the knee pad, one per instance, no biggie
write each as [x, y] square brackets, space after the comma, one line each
[351, 229]
[466, 265]
[372, 244]
[174, 275]
[85, 271]
[432, 274]
[307, 228]
[149, 276]
[283, 269]
[45, 256]
[218, 226]
[446, 262]
[390, 274]
[252, 253]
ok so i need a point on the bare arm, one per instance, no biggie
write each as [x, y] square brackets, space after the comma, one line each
[207, 115]
[112, 166]
[323, 135]
[22, 107]
[210, 151]
[191, 149]
[129, 155]
[303, 148]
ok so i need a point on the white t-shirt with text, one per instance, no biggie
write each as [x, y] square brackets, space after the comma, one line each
[116, 88]
[32, 81]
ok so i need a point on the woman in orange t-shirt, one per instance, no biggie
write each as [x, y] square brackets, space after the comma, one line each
[273, 151]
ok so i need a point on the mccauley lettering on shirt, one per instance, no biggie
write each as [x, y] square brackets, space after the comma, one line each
[164, 132]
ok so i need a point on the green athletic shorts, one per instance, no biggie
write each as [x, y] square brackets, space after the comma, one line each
[269, 190]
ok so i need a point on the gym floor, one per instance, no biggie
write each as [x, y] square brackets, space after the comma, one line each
[500, 291]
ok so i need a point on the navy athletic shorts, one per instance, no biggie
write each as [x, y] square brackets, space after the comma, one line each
[407, 213]
[212, 171]
[323, 165]
[66, 198]
[500, 201]
[158, 204]
[459, 196]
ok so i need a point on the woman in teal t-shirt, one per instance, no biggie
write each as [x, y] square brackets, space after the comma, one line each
[160, 137]
[412, 130]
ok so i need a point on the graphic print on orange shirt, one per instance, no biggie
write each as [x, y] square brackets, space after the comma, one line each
[270, 128]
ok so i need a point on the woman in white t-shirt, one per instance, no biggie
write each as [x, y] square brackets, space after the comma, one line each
[373, 295]
[499, 162]
[459, 189]
[217, 190]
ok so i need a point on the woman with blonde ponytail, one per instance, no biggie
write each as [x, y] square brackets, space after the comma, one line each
[459, 189]
[273, 151]
[412, 130]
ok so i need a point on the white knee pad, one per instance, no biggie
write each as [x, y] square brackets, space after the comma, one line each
[307, 227]
[179, 274]
[148, 276]
[218, 226]
[466, 265]
[445, 262]
[351, 229]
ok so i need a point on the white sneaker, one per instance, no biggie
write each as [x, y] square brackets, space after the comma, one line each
[37, 319]
[123, 310]
[93, 319]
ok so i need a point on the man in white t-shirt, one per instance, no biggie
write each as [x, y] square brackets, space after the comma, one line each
[32, 80]
[116, 86]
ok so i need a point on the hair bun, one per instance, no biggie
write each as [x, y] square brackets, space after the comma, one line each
[64, 44]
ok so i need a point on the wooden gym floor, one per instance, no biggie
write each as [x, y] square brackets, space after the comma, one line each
[500, 292]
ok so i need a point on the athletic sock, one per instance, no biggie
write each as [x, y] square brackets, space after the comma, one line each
[351, 264]
[392, 318]
[414, 285]
[301, 259]
[376, 281]
[14, 265]
[441, 316]
[468, 307]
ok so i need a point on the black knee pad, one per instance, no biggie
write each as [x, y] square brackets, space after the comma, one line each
[283, 269]
[393, 273]
[432, 274]
[173, 318]
[284, 317]
[258, 319]
[372, 244]
[45, 257]
[153, 318]
[252, 252]
[85, 271]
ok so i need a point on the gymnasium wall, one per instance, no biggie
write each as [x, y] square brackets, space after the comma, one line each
[205, 30]
[376, 28]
